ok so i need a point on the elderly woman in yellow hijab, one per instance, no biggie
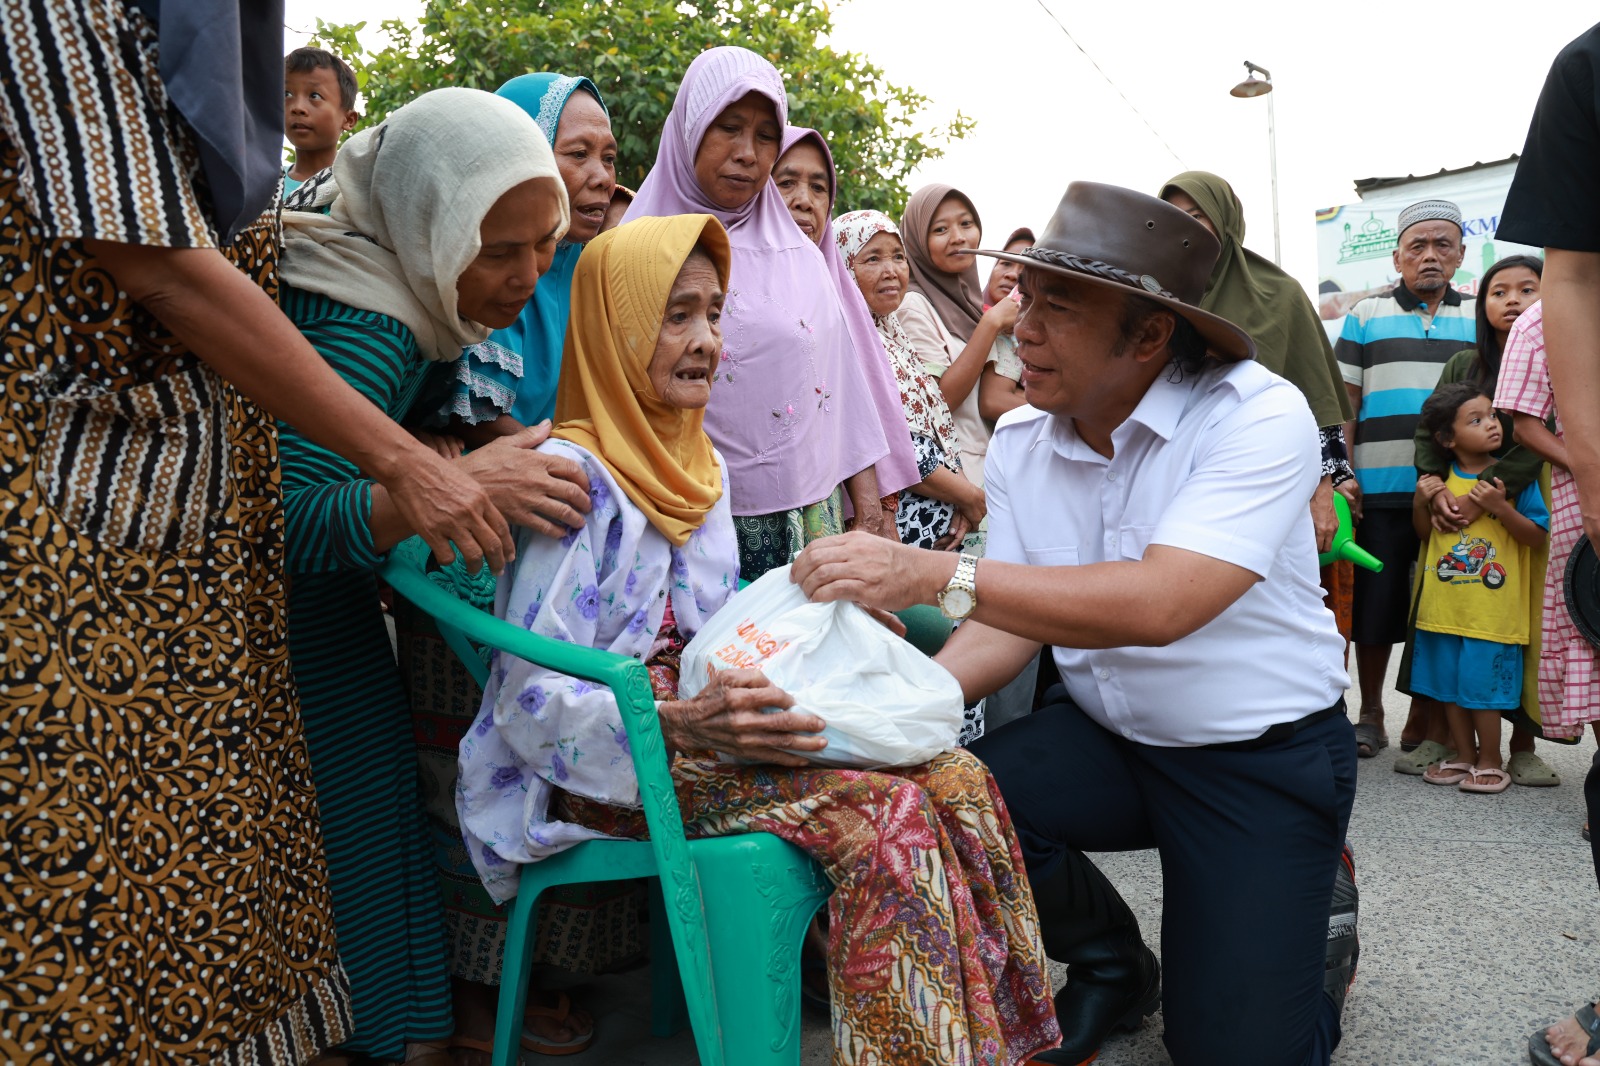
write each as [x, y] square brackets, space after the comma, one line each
[932, 917]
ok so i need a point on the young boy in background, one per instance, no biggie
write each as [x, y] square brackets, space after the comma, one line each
[319, 101]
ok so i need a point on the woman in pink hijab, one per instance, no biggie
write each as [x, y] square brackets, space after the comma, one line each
[792, 410]
[808, 181]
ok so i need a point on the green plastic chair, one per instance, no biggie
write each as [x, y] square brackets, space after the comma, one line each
[737, 979]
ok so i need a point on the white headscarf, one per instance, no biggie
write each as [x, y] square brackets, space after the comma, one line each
[412, 193]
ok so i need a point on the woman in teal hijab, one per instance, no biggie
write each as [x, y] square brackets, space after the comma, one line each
[509, 381]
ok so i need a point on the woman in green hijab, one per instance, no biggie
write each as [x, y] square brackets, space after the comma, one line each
[1255, 294]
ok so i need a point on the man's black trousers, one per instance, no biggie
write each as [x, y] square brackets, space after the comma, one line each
[1249, 841]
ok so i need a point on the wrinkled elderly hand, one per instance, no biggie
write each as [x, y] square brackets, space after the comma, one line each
[442, 504]
[729, 716]
[546, 493]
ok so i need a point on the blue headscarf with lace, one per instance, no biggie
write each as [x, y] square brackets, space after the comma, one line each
[514, 372]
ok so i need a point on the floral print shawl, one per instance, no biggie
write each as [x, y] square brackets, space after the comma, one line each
[603, 586]
[927, 413]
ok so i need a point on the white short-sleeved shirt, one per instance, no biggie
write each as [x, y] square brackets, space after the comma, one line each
[1222, 463]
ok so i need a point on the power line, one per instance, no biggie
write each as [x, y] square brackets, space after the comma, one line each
[1111, 83]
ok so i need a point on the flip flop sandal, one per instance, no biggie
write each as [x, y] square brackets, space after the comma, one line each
[1369, 739]
[1427, 753]
[1447, 773]
[1529, 770]
[1539, 1048]
[1499, 781]
[561, 1013]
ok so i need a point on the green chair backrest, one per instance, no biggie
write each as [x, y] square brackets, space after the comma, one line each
[461, 624]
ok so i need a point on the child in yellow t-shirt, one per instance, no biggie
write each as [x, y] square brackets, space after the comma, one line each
[1472, 618]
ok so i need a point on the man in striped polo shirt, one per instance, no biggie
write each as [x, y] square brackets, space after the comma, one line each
[1391, 353]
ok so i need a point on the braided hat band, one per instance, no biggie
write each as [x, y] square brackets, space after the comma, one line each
[1142, 282]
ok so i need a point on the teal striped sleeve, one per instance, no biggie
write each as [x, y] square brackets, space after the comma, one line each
[327, 503]
[1349, 350]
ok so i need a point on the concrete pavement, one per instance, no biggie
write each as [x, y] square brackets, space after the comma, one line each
[1478, 924]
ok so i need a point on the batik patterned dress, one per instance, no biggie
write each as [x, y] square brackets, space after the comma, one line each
[934, 954]
[164, 887]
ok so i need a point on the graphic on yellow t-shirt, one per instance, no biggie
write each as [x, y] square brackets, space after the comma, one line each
[1471, 559]
[1479, 582]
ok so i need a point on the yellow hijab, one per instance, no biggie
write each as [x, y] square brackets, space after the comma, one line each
[660, 456]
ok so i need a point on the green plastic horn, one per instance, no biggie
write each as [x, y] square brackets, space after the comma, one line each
[1344, 547]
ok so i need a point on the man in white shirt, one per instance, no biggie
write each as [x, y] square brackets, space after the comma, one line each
[1149, 522]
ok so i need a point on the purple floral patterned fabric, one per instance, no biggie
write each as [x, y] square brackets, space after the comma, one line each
[607, 586]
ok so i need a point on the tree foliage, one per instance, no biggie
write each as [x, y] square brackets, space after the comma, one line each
[636, 51]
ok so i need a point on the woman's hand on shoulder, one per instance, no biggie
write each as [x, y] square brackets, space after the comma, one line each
[548, 494]
[444, 445]
[729, 715]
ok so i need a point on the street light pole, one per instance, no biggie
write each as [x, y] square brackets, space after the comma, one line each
[1246, 89]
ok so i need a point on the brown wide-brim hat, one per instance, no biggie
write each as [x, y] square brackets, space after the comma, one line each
[1127, 241]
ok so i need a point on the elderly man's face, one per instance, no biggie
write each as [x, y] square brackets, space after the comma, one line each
[1428, 255]
[1076, 362]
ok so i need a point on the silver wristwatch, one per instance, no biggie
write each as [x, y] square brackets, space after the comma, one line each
[960, 598]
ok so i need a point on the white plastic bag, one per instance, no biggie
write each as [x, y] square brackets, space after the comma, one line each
[885, 703]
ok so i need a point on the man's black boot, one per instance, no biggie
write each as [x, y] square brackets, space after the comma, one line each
[1113, 980]
[1344, 944]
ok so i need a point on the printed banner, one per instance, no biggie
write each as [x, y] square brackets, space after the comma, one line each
[1356, 242]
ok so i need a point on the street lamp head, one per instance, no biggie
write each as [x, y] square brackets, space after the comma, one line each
[1252, 86]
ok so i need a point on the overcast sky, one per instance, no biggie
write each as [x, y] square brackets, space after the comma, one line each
[1363, 90]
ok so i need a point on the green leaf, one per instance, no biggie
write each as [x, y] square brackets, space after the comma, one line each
[637, 51]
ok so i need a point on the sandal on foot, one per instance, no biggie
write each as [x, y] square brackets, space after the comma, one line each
[1447, 773]
[1529, 770]
[1539, 1048]
[561, 1014]
[1498, 781]
[1370, 739]
[1417, 762]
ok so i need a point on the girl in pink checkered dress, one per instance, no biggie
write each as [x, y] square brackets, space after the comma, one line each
[1569, 682]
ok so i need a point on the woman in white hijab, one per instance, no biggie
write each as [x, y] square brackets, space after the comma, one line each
[442, 218]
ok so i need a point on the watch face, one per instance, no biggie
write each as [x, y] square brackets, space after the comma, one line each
[958, 603]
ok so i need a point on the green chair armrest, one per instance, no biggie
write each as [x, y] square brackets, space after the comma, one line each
[629, 682]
